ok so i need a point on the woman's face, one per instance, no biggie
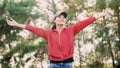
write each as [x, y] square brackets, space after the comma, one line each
[60, 20]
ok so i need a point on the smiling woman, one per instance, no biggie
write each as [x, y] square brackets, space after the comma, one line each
[59, 20]
[60, 39]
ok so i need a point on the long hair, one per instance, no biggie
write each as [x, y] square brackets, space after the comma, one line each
[54, 26]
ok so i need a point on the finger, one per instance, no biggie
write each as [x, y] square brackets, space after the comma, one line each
[11, 19]
[106, 9]
[8, 21]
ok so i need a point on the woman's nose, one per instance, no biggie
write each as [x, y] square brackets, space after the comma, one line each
[62, 18]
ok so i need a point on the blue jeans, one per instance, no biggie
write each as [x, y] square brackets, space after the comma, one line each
[61, 65]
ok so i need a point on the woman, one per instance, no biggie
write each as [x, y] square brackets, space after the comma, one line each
[60, 39]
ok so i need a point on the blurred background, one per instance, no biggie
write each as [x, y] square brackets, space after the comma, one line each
[96, 46]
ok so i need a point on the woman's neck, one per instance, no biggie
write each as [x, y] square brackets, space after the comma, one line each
[59, 27]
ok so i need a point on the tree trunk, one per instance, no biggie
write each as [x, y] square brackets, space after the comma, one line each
[112, 55]
[79, 52]
[108, 41]
[118, 23]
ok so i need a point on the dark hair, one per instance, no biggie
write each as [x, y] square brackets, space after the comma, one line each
[54, 26]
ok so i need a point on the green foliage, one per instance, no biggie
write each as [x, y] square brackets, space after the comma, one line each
[6, 30]
[88, 40]
[114, 4]
[101, 4]
[6, 66]
[102, 50]
[20, 11]
[96, 64]
[71, 13]
[74, 7]
[100, 33]
[22, 48]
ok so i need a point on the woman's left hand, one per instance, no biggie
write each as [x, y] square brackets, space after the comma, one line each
[105, 12]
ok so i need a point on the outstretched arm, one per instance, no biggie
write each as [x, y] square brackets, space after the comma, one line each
[38, 31]
[84, 23]
[12, 22]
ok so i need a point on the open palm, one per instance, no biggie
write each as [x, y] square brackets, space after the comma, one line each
[105, 12]
[11, 22]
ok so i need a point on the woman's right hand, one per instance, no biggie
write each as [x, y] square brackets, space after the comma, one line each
[11, 22]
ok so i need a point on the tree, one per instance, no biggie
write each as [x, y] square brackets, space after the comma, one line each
[104, 32]
[21, 11]
[115, 5]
